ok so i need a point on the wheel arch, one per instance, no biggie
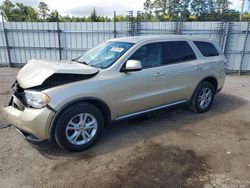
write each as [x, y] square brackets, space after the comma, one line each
[100, 104]
[210, 79]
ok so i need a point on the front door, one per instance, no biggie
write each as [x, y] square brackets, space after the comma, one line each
[143, 89]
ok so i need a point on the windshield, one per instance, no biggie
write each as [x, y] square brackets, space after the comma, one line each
[105, 54]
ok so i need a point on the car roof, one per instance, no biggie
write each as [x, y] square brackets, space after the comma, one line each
[136, 39]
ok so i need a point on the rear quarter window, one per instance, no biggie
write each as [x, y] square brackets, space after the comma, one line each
[176, 51]
[207, 49]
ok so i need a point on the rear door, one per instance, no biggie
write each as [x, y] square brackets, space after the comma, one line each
[181, 70]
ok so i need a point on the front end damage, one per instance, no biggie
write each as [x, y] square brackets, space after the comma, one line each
[32, 121]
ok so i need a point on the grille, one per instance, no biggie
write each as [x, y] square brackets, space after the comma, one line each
[18, 98]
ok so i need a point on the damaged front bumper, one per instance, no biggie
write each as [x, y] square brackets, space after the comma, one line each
[29, 137]
[33, 123]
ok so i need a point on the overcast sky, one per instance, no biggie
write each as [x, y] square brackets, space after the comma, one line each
[103, 7]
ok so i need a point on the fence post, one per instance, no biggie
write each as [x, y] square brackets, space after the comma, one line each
[6, 41]
[178, 28]
[138, 23]
[244, 47]
[115, 31]
[59, 41]
[131, 25]
[181, 28]
[221, 31]
[224, 37]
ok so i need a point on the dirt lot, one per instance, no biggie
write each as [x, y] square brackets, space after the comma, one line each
[174, 148]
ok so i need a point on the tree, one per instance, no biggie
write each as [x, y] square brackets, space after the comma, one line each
[169, 9]
[178, 9]
[93, 15]
[54, 16]
[202, 7]
[148, 7]
[32, 15]
[173, 8]
[43, 10]
[230, 16]
[65, 18]
[18, 12]
[160, 7]
[246, 16]
[222, 6]
[184, 9]
[7, 8]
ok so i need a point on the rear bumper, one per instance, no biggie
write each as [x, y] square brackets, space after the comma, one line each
[33, 123]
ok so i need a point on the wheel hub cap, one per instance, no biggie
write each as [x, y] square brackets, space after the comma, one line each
[81, 129]
[205, 98]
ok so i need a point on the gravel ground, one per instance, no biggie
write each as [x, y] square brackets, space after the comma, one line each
[175, 148]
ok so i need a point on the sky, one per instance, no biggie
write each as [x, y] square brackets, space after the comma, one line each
[103, 7]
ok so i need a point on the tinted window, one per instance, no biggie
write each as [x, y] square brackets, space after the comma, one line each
[207, 49]
[149, 55]
[176, 51]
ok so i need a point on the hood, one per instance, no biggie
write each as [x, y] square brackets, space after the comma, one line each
[35, 72]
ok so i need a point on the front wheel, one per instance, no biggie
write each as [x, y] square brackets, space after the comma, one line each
[78, 127]
[203, 97]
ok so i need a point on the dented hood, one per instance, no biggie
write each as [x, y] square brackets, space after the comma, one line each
[35, 72]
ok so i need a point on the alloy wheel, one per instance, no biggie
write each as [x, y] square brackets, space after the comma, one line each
[81, 129]
[205, 98]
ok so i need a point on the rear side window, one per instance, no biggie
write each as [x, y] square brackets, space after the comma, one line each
[176, 51]
[207, 49]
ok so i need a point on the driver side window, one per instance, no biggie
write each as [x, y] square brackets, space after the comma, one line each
[149, 55]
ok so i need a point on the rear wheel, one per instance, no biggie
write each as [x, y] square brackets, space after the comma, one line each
[203, 97]
[78, 127]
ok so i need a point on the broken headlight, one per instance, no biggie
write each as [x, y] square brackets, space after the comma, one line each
[36, 99]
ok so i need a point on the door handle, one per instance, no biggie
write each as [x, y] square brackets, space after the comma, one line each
[158, 74]
[198, 67]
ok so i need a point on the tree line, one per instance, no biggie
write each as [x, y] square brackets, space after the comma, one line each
[18, 12]
[191, 10]
[154, 10]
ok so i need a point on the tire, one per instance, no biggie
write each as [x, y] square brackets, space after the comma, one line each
[196, 104]
[78, 127]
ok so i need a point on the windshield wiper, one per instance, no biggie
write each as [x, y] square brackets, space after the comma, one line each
[80, 61]
[83, 62]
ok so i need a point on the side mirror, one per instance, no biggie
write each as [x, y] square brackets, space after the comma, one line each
[132, 65]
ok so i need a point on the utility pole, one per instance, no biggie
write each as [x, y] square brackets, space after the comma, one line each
[242, 9]
[6, 40]
[115, 31]
[248, 8]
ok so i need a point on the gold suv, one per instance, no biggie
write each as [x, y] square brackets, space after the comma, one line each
[72, 101]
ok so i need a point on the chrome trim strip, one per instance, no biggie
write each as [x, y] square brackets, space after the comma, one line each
[150, 110]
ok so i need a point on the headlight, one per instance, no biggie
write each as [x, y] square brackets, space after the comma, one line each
[36, 99]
